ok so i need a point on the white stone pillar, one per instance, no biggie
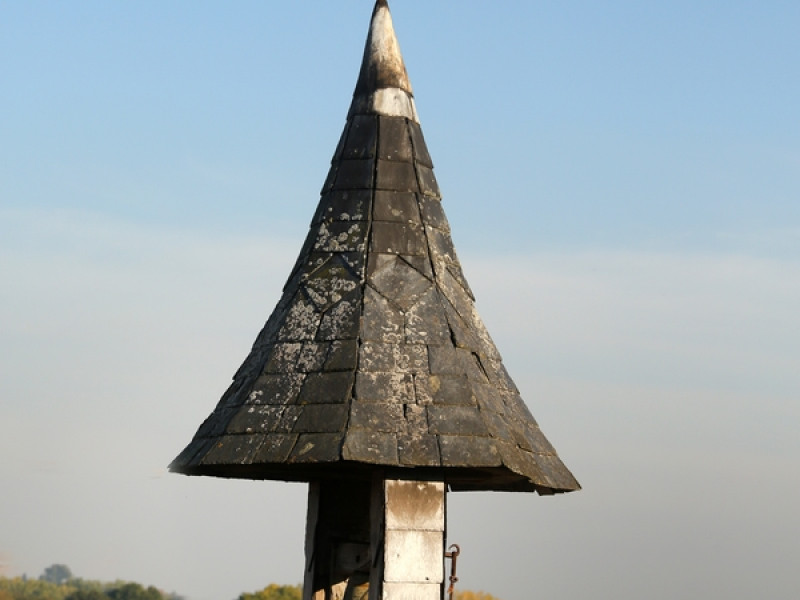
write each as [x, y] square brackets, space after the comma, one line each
[413, 548]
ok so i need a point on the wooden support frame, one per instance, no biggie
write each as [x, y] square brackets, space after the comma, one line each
[379, 540]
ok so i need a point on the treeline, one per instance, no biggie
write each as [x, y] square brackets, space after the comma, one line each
[57, 583]
[20, 588]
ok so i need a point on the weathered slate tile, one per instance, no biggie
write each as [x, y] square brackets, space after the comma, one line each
[394, 141]
[551, 472]
[453, 390]
[457, 296]
[486, 348]
[425, 320]
[254, 363]
[415, 419]
[489, 398]
[427, 181]
[516, 406]
[499, 377]
[391, 175]
[324, 293]
[341, 236]
[301, 323]
[385, 387]
[432, 213]
[312, 356]
[342, 356]
[381, 321]
[418, 449]
[462, 334]
[441, 248]
[556, 472]
[444, 360]
[397, 281]
[377, 356]
[519, 460]
[337, 154]
[518, 433]
[370, 447]
[276, 388]
[327, 387]
[401, 207]
[423, 389]
[311, 262]
[264, 418]
[466, 451]
[317, 448]
[421, 263]
[283, 357]
[362, 134]
[275, 448]
[456, 420]
[216, 422]
[330, 178]
[386, 418]
[398, 238]
[237, 393]
[192, 453]
[254, 418]
[378, 261]
[411, 358]
[330, 282]
[354, 174]
[421, 154]
[326, 264]
[233, 449]
[344, 205]
[322, 418]
[538, 443]
[342, 320]
[455, 270]
[497, 426]
[285, 423]
[472, 365]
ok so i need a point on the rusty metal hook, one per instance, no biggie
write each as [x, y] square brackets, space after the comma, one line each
[455, 550]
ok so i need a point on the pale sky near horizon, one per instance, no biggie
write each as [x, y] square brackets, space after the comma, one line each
[622, 182]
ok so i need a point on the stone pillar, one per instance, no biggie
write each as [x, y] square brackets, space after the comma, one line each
[382, 540]
[413, 547]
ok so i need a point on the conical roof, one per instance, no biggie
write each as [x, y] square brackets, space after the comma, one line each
[375, 356]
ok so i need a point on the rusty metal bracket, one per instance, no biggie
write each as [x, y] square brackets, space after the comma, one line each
[455, 550]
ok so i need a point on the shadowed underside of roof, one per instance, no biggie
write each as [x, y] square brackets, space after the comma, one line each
[375, 357]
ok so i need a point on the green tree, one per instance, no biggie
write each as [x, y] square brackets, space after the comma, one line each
[87, 594]
[20, 588]
[57, 574]
[134, 591]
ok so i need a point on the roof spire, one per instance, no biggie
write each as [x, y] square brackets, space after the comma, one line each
[375, 357]
[383, 86]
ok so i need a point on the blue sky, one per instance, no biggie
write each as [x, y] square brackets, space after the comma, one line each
[622, 183]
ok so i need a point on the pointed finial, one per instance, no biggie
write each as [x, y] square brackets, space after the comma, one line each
[383, 86]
